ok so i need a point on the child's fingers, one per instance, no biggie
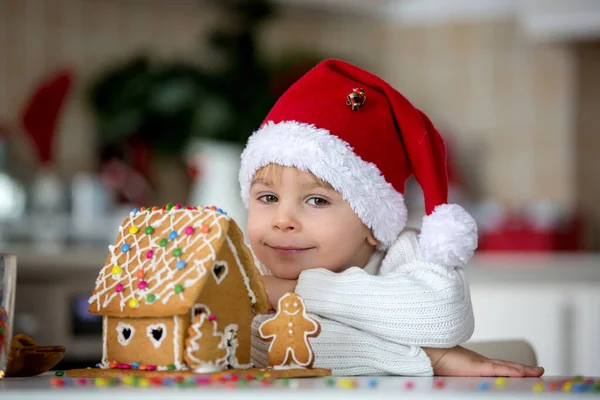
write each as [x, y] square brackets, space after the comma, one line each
[527, 369]
[490, 368]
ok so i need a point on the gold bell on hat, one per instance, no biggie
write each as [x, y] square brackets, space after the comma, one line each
[356, 99]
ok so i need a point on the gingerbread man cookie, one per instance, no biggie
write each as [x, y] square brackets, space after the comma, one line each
[288, 332]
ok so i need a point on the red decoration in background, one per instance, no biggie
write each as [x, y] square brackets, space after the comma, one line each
[40, 115]
[517, 234]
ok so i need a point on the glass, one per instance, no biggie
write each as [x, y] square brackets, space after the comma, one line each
[8, 283]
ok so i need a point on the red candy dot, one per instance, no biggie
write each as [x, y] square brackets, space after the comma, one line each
[142, 285]
[439, 383]
[58, 382]
[212, 318]
[151, 368]
[189, 230]
[149, 254]
[123, 366]
[409, 385]
[178, 206]
[119, 288]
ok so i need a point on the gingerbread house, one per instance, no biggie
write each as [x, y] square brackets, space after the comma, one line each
[178, 290]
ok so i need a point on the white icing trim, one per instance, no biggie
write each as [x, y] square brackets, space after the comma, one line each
[290, 351]
[120, 337]
[163, 336]
[231, 331]
[161, 283]
[242, 270]
[225, 266]
[206, 368]
[104, 362]
[176, 342]
[197, 306]
[308, 148]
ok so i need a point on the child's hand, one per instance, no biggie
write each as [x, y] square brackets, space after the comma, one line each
[459, 361]
[277, 287]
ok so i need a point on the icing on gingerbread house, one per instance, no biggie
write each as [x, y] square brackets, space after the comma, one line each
[178, 290]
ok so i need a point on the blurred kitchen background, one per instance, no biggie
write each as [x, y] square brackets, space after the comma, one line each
[106, 105]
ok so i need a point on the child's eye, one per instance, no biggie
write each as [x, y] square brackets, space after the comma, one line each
[318, 201]
[268, 198]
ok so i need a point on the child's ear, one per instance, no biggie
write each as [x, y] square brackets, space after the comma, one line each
[371, 239]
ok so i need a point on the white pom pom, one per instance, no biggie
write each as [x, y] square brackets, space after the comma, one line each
[448, 236]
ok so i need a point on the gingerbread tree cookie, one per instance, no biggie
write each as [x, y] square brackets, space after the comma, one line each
[288, 332]
[206, 348]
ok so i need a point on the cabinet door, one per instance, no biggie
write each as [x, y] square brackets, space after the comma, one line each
[586, 344]
[538, 314]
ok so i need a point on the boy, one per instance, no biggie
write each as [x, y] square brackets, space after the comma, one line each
[323, 180]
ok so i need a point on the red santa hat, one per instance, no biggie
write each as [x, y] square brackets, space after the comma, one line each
[354, 131]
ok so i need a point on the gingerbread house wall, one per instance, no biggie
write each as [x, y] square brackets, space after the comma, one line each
[140, 347]
[228, 298]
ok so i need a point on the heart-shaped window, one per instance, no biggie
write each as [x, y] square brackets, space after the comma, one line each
[219, 271]
[125, 333]
[157, 334]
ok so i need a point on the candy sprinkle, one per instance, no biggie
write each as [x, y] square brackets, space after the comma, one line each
[59, 373]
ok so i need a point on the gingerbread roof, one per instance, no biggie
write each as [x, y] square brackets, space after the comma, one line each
[158, 264]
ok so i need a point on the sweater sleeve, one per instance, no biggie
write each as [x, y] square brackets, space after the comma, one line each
[410, 302]
[350, 352]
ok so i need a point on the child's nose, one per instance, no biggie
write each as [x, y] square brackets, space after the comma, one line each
[285, 220]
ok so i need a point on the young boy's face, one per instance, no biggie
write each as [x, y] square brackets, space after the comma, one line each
[296, 222]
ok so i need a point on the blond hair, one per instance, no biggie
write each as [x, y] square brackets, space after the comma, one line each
[271, 173]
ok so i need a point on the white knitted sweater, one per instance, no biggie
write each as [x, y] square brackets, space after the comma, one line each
[375, 320]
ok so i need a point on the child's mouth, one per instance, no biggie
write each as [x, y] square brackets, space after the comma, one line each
[289, 251]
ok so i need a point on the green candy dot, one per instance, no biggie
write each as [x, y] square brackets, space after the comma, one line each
[177, 252]
[163, 242]
[1, 330]
[171, 367]
[59, 373]
[149, 230]
[150, 298]
[169, 206]
[178, 288]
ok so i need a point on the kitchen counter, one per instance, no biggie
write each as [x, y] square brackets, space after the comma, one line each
[314, 388]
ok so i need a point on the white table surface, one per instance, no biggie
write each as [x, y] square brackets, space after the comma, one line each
[299, 389]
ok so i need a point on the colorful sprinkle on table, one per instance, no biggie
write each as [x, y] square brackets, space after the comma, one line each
[59, 373]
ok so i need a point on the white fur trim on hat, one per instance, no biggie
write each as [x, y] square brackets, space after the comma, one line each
[448, 236]
[308, 148]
